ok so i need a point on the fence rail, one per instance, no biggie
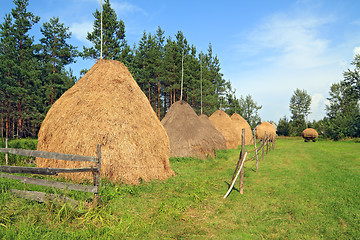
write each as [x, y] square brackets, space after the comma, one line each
[52, 171]
[264, 144]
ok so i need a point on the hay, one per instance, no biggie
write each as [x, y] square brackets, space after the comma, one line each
[226, 126]
[107, 107]
[188, 135]
[270, 131]
[309, 133]
[215, 135]
[241, 123]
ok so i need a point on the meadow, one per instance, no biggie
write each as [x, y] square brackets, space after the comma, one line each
[301, 191]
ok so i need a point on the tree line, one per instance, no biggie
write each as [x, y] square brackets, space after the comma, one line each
[33, 75]
[342, 113]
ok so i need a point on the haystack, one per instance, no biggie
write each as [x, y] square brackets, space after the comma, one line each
[309, 134]
[265, 127]
[107, 107]
[188, 136]
[226, 126]
[214, 134]
[241, 123]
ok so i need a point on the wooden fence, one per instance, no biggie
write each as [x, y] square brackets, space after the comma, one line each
[264, 146]
[40, 196]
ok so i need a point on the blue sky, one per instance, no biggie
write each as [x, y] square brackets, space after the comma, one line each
[266, 48]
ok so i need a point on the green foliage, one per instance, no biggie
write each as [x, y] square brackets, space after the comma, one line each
[32, 76]
[114, 43]
[28, 143]
[300, 108]
[283, 127]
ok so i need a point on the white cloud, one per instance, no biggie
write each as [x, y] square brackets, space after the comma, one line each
[317, 107]
[80, 30]
[125, 8]
[293, 41]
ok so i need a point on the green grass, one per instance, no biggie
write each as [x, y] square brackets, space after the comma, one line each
[301, 191]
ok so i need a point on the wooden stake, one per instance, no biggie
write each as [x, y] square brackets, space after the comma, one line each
[97, 174]
[236, 176]
[182, 75]
[101, 27]
[263, 150]
[256, 153]
[241, 187]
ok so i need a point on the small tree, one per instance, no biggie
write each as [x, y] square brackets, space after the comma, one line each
[283, 128]
[300, 108]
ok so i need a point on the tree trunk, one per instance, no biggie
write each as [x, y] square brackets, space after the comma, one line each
[8, 118]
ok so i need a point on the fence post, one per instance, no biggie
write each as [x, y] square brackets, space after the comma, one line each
[267, 145]
[241, 187]
[6, 154]
[274, 143]
[256, 153]
[263, 150]
[97, 173]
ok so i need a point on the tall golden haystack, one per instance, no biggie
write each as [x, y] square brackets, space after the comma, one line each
[309, 133]
[270, 131]
[226, 126]
[188, 136]
[215, 136]
[107, 107]
[241, 123]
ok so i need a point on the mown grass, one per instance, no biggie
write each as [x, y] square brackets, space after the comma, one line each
[301, 191]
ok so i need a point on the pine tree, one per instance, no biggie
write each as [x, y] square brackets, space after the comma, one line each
[114, 44]
[22, 66]
[56, 54]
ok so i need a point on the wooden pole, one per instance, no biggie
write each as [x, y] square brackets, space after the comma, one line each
[101, 32]
[241, 187]
[256, 153]
[267, 144]
[182, 74]
[6, 154]
[263, 150]
[201, 97]
[274, 143]
[97, 173]
[236, 176]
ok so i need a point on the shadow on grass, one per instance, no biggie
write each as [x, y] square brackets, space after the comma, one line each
[233, 189]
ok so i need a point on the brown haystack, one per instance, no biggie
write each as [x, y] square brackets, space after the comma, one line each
[241, 123]
[309, 133]
[214, 134]
[270, 131]
[188, 136]
[107, 107]
[226, 126]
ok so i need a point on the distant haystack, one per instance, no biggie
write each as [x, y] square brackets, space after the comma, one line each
[214, 134]
[188, 136]
[107, 107]
[265, 127]
[226, 126]
[241, 123]
[309, 134]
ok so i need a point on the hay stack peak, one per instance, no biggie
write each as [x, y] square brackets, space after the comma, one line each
[188, 136]
[107, 107]
[241, 123]
[226, 126]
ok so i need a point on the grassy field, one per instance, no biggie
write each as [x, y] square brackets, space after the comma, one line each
[301, 191]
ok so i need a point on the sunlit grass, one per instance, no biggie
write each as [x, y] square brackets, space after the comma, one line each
[301, 191]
